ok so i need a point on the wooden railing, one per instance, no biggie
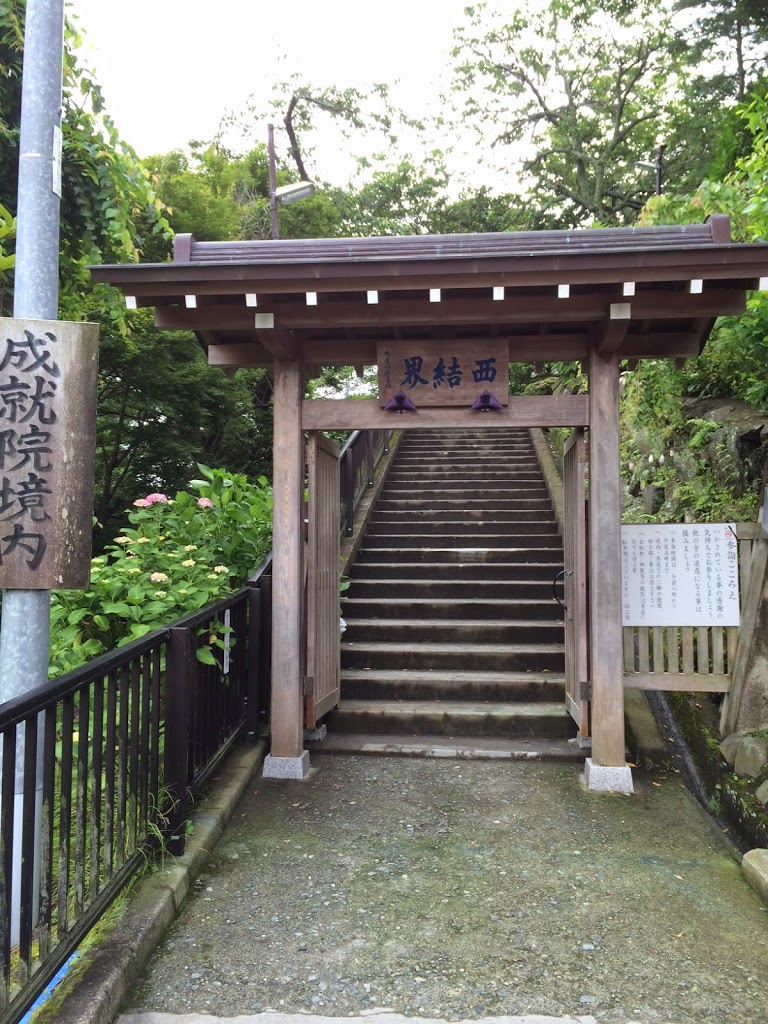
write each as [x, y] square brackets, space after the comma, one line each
[700, 658]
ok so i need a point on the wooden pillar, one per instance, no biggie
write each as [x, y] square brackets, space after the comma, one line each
[605, 562]
[287, 563]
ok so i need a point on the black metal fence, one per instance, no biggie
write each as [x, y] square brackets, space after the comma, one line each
[358, 460]
[98, 767]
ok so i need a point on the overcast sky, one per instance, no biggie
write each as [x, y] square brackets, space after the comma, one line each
[171, 68]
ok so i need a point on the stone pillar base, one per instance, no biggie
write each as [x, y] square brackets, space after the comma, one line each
[286, 767]
[602, 778]
[315, 735]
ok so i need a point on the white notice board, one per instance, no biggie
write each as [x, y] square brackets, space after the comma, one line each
[679, 575]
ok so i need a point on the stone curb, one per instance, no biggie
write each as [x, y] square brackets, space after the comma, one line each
[754, 866]
[104, 974]
[370, 1017]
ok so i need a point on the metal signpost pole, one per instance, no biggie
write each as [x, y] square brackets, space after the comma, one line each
[24, 632]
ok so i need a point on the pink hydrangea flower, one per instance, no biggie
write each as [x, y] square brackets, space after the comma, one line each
[156, 499]
[204, 503]
[141, 503]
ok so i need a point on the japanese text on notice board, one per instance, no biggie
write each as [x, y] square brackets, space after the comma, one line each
[679, 575]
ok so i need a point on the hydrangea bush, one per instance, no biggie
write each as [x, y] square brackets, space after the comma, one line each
[178, 554]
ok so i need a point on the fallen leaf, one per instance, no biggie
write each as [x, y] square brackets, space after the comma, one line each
[656, 784]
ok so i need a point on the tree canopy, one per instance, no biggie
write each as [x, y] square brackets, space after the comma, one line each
[565, 97]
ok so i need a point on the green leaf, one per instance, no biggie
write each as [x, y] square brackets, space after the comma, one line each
[205, 655]
[117, 608]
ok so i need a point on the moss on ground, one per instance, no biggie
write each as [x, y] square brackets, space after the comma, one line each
[730, 796]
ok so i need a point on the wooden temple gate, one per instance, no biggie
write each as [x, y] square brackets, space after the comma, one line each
[597, 296]
[577, 694]
[322, 682]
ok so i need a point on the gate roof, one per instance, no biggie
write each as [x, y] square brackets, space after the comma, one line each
[642, 292]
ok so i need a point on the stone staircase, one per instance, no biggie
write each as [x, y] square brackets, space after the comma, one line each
[454, 645]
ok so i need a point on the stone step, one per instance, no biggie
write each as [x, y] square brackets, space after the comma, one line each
[473, 631]
[451, 434]
[513, 503]
[453, 718]
[491, 657]
[454, 513]
[448, 609]
[465, 583]
[472, 457]
[468, 554]
[405, 684]
[502, 522]
[474, 465]
[494, 536]
[482, 487]
[413, 444]
[468, 748]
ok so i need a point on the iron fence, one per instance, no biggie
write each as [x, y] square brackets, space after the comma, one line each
[358, 460]
[98, 768]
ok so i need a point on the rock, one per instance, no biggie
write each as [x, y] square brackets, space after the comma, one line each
[762, 794]
[755, 868]
[751, 756]
[729, 747]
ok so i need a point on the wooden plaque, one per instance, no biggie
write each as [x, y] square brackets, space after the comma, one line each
[48, 381]
[443, 373]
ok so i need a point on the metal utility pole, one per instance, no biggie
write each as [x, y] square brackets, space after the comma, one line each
[25, 626]
[659, 168]
[25, 629]
[274, 226]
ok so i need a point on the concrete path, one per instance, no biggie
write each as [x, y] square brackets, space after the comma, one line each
[460, 890]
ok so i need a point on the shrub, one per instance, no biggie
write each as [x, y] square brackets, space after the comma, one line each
[177, 555]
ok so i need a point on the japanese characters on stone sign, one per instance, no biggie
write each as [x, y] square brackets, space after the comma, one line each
[48, 375]
[443, 373]
[679, 575]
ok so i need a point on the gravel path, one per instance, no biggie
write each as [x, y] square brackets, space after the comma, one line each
[458, 889]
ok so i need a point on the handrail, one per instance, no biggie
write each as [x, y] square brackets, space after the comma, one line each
[357, 462]
[14, 711]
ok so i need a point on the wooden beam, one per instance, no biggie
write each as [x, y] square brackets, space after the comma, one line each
[239, 355]
[522, 411]
[690, 682]
[294, 316]
[613, 331]
[525, 349]
[287, 559]
[606, 640]
[666, 345]
[279, 344]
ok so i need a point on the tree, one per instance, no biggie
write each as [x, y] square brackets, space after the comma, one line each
[734, 360]
[732, 31]
[162, 410]
[109, 210]
[579, 92]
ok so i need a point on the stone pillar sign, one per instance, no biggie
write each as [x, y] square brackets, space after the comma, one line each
[48, 381]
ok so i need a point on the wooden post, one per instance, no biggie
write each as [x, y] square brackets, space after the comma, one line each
[287, 577]
[605, 563]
